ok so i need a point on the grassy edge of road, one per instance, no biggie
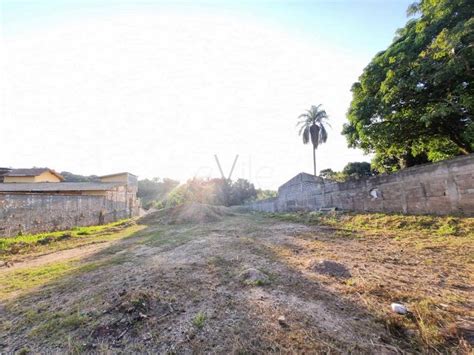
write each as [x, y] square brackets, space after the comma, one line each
[13, 249]
[27, 277]
[435, 226]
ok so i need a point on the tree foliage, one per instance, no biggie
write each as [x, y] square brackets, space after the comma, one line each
[357, 169]
[265, 194]
[353, 170]
[71, 177]
[328, 174]
[155, 189]
[414, 101]
[211, 191]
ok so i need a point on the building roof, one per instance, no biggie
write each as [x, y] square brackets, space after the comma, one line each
[59, 186]
[32, 172]
[116, 174]
[3, 171]
[303, 177]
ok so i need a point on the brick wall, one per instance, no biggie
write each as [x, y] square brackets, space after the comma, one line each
[35, 213]
[442, 188]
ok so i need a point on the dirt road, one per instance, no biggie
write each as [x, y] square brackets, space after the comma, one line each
[244, 284]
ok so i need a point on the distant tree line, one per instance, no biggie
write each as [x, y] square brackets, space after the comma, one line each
[70, 177]
[355, 170]
[160, 193]
[152, 190]
[210, 191]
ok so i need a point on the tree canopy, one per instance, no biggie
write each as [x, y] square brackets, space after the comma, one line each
[414, 101]
[357, 169]
[353, 170]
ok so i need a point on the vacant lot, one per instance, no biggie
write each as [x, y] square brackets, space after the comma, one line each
[221, 281]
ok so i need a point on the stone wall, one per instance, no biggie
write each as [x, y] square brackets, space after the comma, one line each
[441, 188]
[35, 213]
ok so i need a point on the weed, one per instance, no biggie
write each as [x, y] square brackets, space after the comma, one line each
[449, 227]
[55, 324]
[430, 321]
[199, 320]
[351, 282]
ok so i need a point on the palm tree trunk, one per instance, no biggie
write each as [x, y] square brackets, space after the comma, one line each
[314, 160]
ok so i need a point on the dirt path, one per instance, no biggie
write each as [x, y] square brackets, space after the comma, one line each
[242, 284]
[62, 255]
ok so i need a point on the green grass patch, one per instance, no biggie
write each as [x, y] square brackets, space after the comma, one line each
[199, 320]
[432, 225]
[27, 278]
[24, 279]
[10, 247]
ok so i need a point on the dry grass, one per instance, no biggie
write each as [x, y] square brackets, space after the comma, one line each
[425, 262]
[188, 214]
[177, 288]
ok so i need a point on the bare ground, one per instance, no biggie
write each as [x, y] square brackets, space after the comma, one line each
[179, 289]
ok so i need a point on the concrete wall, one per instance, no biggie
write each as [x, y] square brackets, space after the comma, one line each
[35, 213]
[442, 188]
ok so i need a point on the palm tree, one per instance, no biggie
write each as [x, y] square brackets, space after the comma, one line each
[313, 127]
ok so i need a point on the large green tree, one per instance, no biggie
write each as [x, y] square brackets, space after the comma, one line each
[414, 102]
[313, 128]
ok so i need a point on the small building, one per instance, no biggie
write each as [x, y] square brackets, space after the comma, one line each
[33, 206]
[120, 177]
[3, 171]
[32, 175]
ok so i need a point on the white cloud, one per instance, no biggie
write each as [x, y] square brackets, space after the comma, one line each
[158, 94]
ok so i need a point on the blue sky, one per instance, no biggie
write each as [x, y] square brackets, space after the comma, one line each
[157, 88]
[363, 25]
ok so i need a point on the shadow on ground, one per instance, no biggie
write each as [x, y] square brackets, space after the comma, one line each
[179, 288]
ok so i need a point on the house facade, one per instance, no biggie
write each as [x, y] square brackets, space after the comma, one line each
[33, 175]
[34, 207]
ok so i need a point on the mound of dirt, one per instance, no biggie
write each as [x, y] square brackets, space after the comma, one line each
[188, 213]
[331, 268]
[254, 277]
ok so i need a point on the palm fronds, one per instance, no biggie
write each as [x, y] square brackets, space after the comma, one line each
[312, 126]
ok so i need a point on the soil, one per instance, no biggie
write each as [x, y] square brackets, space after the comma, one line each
[180, 287]
[68, 254]
[188, 213]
